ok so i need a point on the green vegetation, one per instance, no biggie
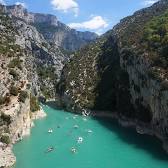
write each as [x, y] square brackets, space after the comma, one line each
[2, 100]
[5, 118]
[14, 74]
[34, 104]
[155, 39]
[46, 92]
[46, 72]
[5, 139]
[28, 86]
[22, 96]
[8, 47]
[13, 90]
[16, 62]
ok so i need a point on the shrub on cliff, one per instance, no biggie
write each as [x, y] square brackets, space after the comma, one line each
[28, 86]
[46, 72]
[22, 96]
[34, 104]
[46, 92]
[5, 139]
[14, 74]
[14, 91]
[156, 39]
[2, 100]
[5, 118]
[16, 62]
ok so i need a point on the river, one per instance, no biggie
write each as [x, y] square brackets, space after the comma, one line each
[107, 146]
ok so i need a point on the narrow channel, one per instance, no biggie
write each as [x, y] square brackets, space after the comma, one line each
[106, 145]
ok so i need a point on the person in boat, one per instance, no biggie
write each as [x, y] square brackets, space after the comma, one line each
[50, 131]
[80, 140]
[76, 126]
[50, 149]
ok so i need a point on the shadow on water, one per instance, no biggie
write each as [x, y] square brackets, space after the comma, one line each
[53, 105]
[128, 135]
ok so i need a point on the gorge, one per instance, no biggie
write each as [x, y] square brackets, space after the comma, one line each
[123, 74]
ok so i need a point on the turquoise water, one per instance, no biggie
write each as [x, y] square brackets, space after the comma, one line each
[108, 146]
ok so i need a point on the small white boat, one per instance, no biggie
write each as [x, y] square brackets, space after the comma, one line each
[89, 131]
[74, 117]
[85, 112]
[76, 126]
[50, 149]
[73, 150]
[80, 140]
[50, 131]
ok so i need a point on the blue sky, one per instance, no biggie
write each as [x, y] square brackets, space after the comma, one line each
[92, 15]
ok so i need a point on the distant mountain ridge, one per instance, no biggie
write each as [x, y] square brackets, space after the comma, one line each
[52, 29]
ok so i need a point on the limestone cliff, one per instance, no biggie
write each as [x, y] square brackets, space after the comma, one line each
[53, 30]
[124, 72]
[43, 61]
[30, 67]
[17, 95]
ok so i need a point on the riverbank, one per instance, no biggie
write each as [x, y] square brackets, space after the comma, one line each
[39, 114]
[7, 158]
[140, 127]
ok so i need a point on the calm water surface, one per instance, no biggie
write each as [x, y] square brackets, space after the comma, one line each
[108, 146]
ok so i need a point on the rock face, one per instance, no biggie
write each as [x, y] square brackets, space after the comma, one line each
[30, 67]
[44, 61]
[20, 12]
[53, 30]
[124, 72]
[7, 157]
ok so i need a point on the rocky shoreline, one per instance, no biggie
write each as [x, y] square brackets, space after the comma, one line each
[140, 127]
[7, 158]
[39, 114]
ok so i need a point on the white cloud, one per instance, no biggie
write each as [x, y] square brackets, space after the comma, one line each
[99, 31]
[149, 2]
[66, 6]
[96, 22]
[2, 2]
[21, 3]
